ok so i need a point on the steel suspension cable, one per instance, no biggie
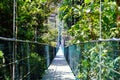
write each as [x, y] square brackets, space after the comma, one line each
[4, 65]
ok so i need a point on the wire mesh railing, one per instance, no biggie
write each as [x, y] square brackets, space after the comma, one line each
[96, 60]
[29, 61]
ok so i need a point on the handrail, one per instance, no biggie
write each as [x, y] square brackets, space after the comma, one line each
[23, 56]
[24, 41]
[99, 40]
[102, 52]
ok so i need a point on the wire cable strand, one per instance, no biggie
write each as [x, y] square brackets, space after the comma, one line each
[4, 65]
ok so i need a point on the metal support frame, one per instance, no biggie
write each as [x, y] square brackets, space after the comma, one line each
[14, 43]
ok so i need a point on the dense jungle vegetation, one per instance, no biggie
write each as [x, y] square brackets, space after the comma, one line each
[31, 19]
[87, 20]
[24, 60]
[83, 21]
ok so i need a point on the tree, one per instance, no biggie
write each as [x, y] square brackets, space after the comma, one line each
[31, 15]
[87, 19]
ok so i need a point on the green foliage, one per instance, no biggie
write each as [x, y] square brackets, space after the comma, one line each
[2, 58]
[6, 7]
[95, 58]
[84, 20]
[87, 1]
[50, 37]
[65, 12]
[30, 16]
[108, 19]
[1, 54]
[35, 61]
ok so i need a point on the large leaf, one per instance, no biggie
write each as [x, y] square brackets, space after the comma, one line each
[87, 1]
[1, 54]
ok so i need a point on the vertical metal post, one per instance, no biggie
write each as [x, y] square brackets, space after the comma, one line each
[13, 74]
[47, 55]
[14, 43]
[14, 20]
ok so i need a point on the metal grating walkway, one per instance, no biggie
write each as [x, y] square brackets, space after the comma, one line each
[59, 69]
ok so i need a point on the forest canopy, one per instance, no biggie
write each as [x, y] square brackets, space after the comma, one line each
[83, 19]
[31, 15]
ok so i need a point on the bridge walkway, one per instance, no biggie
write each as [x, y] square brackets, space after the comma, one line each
[59, 69]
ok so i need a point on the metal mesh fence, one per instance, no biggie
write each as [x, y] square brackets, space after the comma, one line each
[24, 60]
[98, 60]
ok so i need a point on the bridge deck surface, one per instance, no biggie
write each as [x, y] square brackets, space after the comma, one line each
[59, 69]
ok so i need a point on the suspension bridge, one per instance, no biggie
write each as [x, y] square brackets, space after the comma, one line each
[31, 60]
[27, 60]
